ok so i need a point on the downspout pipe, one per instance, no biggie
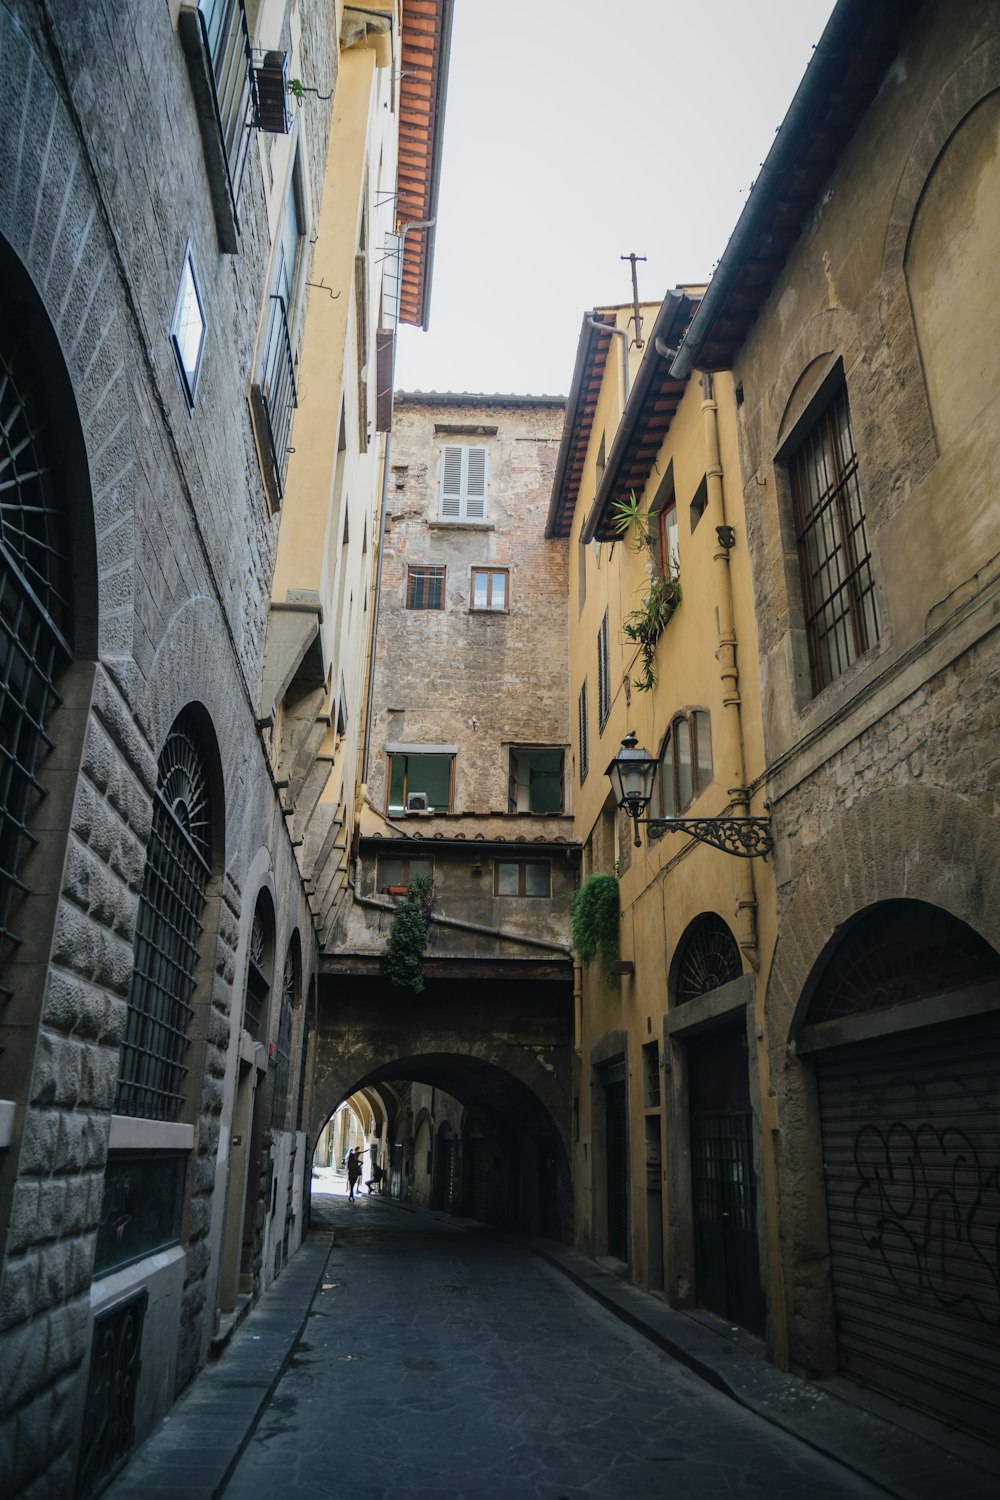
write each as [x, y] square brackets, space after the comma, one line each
[826, 69]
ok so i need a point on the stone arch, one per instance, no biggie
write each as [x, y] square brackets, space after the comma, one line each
[978, 76]
[922, 843]
[51, 217]
[188, 667]
[806, 361]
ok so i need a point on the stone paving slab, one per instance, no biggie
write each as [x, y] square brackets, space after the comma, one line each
[196, 1450]
[905, 1452]
[198, 1444]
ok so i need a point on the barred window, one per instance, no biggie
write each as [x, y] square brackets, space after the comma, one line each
[260, 967]
[838, 590]
[584, 760]
[283, 1051]
[168, 931]
[425, 588]
[603, 675]
[34, 606]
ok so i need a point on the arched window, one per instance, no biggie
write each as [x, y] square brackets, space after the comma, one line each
[289, 1000]
[685, 762]
[707, 958]
[168, 930]
[260, 969]
[896, 952]
[35, 606]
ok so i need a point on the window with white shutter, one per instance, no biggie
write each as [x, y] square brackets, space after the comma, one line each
[463, 483]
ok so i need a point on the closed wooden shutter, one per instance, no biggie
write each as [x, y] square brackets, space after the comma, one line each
[475, 502]
[911, 1142]
[451, 482]
[463, 483]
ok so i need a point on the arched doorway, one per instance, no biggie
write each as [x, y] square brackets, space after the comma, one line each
[902, 1016]
[721, 1125]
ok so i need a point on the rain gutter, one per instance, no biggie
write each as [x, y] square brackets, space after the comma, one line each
[673, 310]
[825, 70]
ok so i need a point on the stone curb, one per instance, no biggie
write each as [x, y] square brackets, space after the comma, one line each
[195, 1449]
[904, 1452]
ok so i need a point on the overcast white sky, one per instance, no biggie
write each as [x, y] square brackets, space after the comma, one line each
[577, 131]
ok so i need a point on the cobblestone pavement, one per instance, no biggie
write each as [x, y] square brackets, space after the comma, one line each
[441, 1363]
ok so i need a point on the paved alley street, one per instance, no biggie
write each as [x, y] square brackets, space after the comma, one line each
[441, 1362]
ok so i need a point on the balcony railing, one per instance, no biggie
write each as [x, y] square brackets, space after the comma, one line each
[275, 399]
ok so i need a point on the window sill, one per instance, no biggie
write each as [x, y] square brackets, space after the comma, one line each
[439, 525]
[473, 611]
[130, 1133]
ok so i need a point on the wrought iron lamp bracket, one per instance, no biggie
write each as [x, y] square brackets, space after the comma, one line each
[747, 838]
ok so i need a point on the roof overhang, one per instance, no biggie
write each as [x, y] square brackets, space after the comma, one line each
[859, 43]
[425, 37]
[645, 422]
[588, 375]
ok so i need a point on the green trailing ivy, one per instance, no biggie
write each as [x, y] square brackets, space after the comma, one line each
[595, 918]
[407, 943]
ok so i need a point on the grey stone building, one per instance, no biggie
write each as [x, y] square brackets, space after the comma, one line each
[160, 190]
[856, 307]
[469, 786]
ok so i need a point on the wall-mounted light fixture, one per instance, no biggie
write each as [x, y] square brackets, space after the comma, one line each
[632, 774]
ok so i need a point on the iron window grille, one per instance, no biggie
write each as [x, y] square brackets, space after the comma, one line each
[109, 1412]
[227, 42]
[603, 675]
[276, 396]
[708, 959]
[258, 984]
[425, 588]
[838, 588]
[168, 932]
[34, 613]
[283, 1051]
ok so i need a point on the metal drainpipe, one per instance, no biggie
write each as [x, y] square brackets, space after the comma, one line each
[729, 671]
[403, 231]
[619, 333]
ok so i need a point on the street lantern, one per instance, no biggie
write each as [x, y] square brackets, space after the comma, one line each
[632, 773]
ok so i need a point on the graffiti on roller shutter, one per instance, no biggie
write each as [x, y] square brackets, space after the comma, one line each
[930, 1206]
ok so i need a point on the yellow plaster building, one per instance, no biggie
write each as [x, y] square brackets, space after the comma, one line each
[671, 1161]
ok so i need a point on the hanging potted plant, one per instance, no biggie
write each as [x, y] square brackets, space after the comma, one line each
[646, 624]
[407, 943]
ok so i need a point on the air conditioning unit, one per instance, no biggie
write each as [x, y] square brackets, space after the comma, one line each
[272, 93]
[417, 802]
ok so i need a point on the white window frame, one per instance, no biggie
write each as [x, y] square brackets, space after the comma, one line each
[463, 501]
[189, 370]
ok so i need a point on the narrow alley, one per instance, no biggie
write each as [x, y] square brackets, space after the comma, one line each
[438, 1360]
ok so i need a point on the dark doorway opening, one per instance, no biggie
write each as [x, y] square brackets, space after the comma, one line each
[723, 1183]
[616, 1137]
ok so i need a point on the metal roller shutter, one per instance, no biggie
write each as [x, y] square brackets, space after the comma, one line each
[911, 1141]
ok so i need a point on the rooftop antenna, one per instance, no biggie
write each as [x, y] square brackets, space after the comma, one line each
[635, 298]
